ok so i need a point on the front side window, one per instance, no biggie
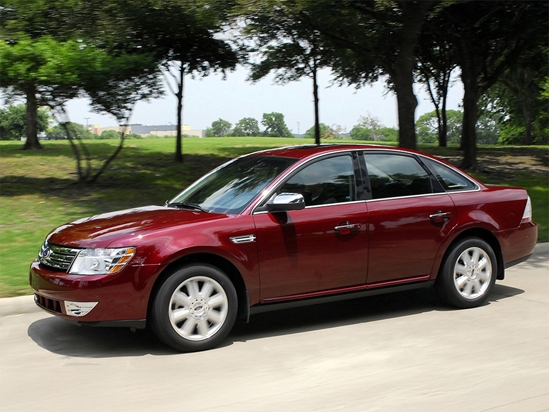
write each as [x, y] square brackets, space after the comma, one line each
[396, 175]
[324, 182]
[230, 188]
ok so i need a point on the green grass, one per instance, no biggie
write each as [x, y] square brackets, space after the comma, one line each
[39, 189]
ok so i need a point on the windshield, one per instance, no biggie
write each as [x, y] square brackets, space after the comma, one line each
[230, 188]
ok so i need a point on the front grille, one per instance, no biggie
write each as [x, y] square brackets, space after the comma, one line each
[48, 304]
[57, 257]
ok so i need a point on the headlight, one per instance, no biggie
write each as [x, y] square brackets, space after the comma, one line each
[101, 261]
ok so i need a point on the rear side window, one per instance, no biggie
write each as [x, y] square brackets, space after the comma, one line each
[450, 180]
[396, 175]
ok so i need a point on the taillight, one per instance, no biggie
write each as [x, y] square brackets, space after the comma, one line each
[527, 215]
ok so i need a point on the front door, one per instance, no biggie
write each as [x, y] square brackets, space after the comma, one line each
[320, 248]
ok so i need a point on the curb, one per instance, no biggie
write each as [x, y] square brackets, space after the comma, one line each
[25, 304]
[18, 306]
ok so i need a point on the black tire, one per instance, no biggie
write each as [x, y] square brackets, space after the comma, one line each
[467, 274]
[194, 309]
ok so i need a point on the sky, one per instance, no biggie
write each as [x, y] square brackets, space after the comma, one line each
[211, 98]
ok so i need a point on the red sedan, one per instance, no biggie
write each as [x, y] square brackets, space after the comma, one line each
[285, 227]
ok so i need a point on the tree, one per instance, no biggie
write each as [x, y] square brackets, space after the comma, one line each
[518, 101]
[373, 38]
[275, 126]
[76, 130]
[110, 134]
[13, 122]
[219, 128]
[489, 38]
[184, 36]
[436, 61]
[50, 64]
[324, 130]
[488, 129]
[247, 126]
[287, 44]
[368, 128]
[428, 127]
[35, 69]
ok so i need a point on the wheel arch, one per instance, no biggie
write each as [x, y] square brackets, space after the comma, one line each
[213, 260]
[489, 238]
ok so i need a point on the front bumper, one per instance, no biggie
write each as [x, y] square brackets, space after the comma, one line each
[109, 299]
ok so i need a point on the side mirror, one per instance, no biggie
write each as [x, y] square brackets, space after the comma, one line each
[286, 201]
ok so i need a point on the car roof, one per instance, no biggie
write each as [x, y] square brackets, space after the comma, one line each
[305, 151]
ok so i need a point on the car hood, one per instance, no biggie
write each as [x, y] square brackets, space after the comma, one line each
[101, 230]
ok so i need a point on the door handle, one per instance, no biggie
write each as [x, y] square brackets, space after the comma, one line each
[439, 216]
[346, 228]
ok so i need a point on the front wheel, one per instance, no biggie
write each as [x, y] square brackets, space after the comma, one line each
[468, 273]
[194, 309]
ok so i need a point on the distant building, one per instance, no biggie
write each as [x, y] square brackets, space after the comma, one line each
[155, 130]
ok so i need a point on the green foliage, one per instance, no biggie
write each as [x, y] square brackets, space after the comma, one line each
[325, 131]
[109, 134]
[13, 121]
[275, 126]
[115, 83]
[219, 128]
[519, 102]
[487, 128]
[389, 134]
[277, 33]
[247, 126]
[47, 67]
[53, 55]
[427, 127]
[370, 128]
[77, 131]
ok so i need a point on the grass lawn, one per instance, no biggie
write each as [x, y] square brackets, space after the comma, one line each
[38, 189]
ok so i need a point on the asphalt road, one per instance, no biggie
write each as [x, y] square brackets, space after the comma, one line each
[400, 352]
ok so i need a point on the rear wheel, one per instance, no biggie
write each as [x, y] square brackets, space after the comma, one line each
[468, 273]
[194, 309]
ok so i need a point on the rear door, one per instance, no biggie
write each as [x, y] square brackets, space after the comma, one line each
[409, 216]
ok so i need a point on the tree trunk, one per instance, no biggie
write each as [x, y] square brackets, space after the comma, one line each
[526, 98]
[407, 104]
[443, 132]
[528, 138]
[414, 13]
[32, 120]
[471, 93]
[470, 117]
[179, 96]
[316, 101]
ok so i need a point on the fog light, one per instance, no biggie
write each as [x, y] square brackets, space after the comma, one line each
[79, 308]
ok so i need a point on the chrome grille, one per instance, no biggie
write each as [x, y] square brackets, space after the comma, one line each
[57, 257]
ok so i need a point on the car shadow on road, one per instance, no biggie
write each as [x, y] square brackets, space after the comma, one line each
[343, 313]
[67, 339]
